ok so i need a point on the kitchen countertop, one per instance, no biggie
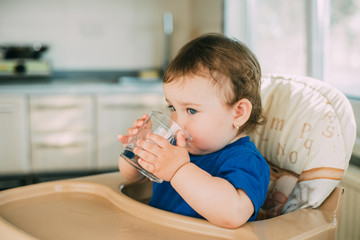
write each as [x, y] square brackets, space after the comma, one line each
[82, 86]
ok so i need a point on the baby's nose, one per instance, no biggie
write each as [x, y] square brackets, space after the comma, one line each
[179, 119]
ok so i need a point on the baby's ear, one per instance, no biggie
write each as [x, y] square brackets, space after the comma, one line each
[241, 111]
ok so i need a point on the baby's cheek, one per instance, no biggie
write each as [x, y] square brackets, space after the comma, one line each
[206, 144]
[205, 138]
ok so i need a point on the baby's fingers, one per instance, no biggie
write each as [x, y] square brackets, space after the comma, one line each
[132, 131]
[180, 139]
[123, 139]
[146, 165]
[140, 122]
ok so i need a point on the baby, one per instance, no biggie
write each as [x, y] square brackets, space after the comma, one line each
[213, 90]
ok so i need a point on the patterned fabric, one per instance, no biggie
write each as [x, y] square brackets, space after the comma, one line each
[307, 140]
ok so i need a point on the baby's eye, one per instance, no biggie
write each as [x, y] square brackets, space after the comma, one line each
[191, 111]
[171, 107]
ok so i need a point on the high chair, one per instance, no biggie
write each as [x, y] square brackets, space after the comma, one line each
[307, 140]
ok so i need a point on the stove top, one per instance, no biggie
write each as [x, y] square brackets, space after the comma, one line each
[24, 68]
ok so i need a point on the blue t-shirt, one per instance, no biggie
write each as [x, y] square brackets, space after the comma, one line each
[240, 163]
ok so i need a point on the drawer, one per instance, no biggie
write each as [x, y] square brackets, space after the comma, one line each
[61, 113]
[61, 152]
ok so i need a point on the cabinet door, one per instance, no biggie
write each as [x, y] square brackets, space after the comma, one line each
[61, 113]
[62, 133]
[14, 158]
[59, 152]
[116, 114]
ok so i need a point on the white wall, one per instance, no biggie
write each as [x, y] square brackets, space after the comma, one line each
[107, 34]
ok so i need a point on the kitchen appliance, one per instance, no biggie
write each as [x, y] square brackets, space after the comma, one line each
[24, 61]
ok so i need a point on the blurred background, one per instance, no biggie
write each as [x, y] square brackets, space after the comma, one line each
[318, 38]
[109, 34]
[75, 73]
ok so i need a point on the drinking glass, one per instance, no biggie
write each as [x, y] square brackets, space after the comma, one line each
[157, 123]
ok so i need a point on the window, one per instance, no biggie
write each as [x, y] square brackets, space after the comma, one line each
[280, 36]
[317, 38]
[344, 59]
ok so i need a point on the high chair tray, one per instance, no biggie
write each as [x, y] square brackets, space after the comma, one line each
[95, 208]
[84, 210]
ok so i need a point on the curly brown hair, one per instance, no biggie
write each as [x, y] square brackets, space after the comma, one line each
[233, 68]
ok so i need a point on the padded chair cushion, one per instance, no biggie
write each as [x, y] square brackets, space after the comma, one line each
[307, 140]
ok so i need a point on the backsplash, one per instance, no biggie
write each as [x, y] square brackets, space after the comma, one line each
[108, 34]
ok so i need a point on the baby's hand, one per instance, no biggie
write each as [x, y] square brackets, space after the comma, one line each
[133, 130]
[162, 158]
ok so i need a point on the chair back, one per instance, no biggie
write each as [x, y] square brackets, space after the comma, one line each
[307, 140]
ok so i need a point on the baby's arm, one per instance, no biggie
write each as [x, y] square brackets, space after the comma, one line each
[213, 198]
[128, 171]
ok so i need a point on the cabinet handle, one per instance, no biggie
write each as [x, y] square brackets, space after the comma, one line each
[112, 106]
[52, 107]
[7, 108]
[65, 145]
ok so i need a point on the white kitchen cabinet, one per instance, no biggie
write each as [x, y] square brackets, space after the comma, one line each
[62, 133]
[115, 114]
[62, 152]
[58, 113]
[14, 150]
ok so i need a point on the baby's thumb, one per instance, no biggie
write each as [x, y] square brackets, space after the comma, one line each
[180, 139]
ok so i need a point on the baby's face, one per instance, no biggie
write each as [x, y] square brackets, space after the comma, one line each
[195, 105]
